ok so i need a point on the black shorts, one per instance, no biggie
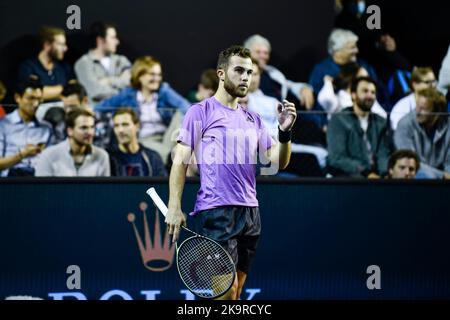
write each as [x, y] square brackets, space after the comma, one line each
[236, 228]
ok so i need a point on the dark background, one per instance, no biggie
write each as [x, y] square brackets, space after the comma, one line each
[187, 35]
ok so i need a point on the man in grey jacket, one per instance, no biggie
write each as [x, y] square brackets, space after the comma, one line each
[101, 71]
[357, 141]
[427, 131]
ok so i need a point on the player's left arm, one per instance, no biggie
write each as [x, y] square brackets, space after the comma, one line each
[281, 151]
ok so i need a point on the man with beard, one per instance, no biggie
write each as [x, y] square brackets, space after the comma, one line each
[427, 131]
[129, 157]
[357, 143]
[101, 71]
[75, 156]
[226, 139]
[48, 66]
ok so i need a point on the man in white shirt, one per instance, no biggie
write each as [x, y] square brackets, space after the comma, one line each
[101, 71]
[421, 78]
[75, 156]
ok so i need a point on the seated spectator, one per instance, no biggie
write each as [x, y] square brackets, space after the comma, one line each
[73, 95]
[128, 157]
[343, 49]
[403, 164]
[256, 101]
[376, 46]
[273, 82]
[155, 102]
[335, 94]
[2, 96]
[48, 66]
[357, 145]
[101, 71]
[421, 78]
[206, 88]
[22, 137]
[427, 132]
[75, 156]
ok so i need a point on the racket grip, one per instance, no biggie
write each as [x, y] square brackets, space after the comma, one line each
[157, 200]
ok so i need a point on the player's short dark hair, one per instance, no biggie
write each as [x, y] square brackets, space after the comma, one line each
[356, 82]
[31, 83]
[76, 112]
[73, 87]
[98, 29]
[127, 110]
[403, 153]
[234, 50]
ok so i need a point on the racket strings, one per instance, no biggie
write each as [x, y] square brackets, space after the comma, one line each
[205, 267]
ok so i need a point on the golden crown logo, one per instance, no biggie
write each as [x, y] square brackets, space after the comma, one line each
[156, 256]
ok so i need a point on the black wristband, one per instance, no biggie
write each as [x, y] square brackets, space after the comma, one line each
[284, 136]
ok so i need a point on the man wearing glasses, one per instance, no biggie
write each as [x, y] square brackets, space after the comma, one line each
[22, 137]
[421, 78]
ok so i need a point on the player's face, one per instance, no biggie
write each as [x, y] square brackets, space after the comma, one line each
[404, 168]
[29, 101]
[125, 129]
[83, 130]
[238, 76]
[152, 79]
[58, 47]
[365, 95]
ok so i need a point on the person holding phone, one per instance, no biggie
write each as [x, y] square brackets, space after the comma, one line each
[22, 136]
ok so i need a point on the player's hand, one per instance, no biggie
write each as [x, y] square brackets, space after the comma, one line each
[175, 218]
[286, 115]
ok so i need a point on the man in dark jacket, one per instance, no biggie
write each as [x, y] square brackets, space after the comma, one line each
[357, 143]
[128, 157]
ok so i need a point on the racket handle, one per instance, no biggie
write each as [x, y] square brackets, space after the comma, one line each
[157, 200]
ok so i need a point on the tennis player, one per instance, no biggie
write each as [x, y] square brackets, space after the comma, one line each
[227, 141]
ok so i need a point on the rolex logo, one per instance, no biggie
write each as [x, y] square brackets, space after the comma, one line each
[157, 255]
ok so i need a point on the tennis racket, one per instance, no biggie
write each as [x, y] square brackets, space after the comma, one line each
[205, 267]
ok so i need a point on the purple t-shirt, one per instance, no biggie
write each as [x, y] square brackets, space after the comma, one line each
[226, 143]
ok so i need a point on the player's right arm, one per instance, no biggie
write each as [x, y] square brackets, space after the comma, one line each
[175, 217]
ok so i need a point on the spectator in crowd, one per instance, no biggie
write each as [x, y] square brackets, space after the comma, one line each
[155, 102]
[73, 95]
[2, 96]
[377, 47]
[273, 82]
[22, 137]
[101, 71]
[444, 75]
[256, 101]
[421, 78]
[48, 66]
[129, 157]
[427, 132]
[343, 49]
[206, 88]
[75, 156]
[335, 94]
[403, 164]
[357, 145]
